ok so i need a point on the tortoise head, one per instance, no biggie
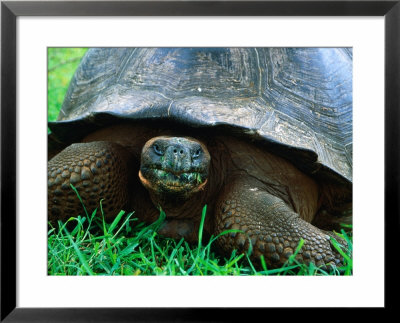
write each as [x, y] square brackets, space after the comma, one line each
[174, 167]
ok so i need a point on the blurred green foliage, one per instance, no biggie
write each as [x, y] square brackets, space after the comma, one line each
[61, 65]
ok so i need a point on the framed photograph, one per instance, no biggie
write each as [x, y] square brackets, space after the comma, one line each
[367, 34]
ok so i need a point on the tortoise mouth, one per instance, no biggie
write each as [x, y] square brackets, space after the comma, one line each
[179, 179]
[163, 181]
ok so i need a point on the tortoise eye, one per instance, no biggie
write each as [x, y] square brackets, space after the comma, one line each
[157, 150]
[197, 153]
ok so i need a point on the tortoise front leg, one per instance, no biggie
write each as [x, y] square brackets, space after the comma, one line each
[273, 228]
[98, 170]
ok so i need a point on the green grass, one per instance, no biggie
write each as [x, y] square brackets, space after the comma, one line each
[87, 245]
[62, 63]
[129, 247]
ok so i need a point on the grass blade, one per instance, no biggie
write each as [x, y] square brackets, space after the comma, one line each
[80, 199]
[79, 254]
[339, 249]
[115, 222]
[203, 216]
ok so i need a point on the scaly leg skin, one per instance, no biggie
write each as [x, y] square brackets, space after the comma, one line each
[272, 227]
[98, 170]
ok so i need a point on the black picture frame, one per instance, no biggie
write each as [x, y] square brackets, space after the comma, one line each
[10, 10]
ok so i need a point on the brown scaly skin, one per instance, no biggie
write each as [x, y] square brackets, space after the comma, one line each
[244, 187]
[91, 169]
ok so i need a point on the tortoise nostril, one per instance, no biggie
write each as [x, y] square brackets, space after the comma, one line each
[180, 151]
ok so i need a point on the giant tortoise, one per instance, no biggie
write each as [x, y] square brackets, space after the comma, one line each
[262, 136]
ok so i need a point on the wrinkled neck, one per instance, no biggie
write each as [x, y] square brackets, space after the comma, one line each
[178, 206]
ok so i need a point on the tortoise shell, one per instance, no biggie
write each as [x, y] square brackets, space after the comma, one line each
[297, 100]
